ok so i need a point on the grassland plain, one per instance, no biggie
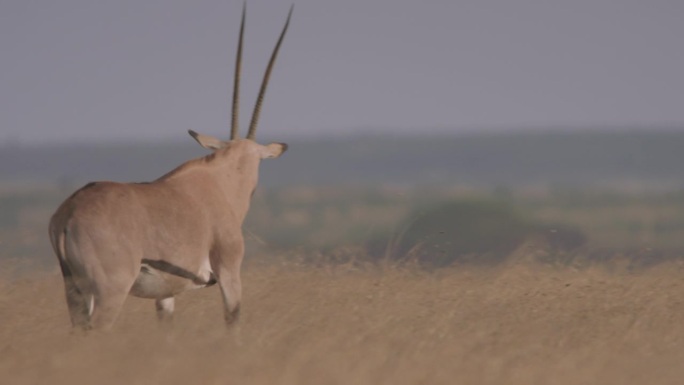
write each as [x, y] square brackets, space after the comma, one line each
[516, 323]
[316, 311]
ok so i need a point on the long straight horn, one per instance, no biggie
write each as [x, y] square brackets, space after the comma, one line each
[234, 126]
[264, 83]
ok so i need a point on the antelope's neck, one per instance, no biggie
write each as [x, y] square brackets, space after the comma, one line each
[221, 189]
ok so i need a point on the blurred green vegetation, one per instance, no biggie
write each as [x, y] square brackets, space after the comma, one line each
[446, 225]
[434, 225]
[474, 230]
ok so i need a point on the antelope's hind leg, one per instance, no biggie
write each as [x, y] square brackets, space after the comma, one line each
[80, 304]
[106, 310]
[110, 294]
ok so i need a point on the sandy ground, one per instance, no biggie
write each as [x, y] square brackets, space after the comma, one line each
[520, 324]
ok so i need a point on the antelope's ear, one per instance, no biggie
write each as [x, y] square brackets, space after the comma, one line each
[208, 142]
[273, 150]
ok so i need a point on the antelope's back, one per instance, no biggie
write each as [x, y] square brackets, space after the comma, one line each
[154, 220]
[106, 207]
[91, 201]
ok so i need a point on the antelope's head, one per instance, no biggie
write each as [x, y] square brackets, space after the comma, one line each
[245, 154]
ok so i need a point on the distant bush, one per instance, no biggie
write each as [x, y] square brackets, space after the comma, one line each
[474, 231]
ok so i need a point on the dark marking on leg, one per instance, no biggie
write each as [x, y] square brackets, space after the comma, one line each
[172, 269]
[66, 271]
[212, 280]
[77, 302]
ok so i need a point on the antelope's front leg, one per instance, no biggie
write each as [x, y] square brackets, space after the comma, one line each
[231, 291]
[227, 269]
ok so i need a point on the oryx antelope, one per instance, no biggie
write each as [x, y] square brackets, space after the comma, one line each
[158, 239]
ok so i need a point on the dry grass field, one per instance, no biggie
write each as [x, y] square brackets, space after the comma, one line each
[521, 323]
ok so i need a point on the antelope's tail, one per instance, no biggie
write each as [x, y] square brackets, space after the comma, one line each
[79, 301]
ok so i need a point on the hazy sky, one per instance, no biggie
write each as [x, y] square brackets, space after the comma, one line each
[127, 69]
